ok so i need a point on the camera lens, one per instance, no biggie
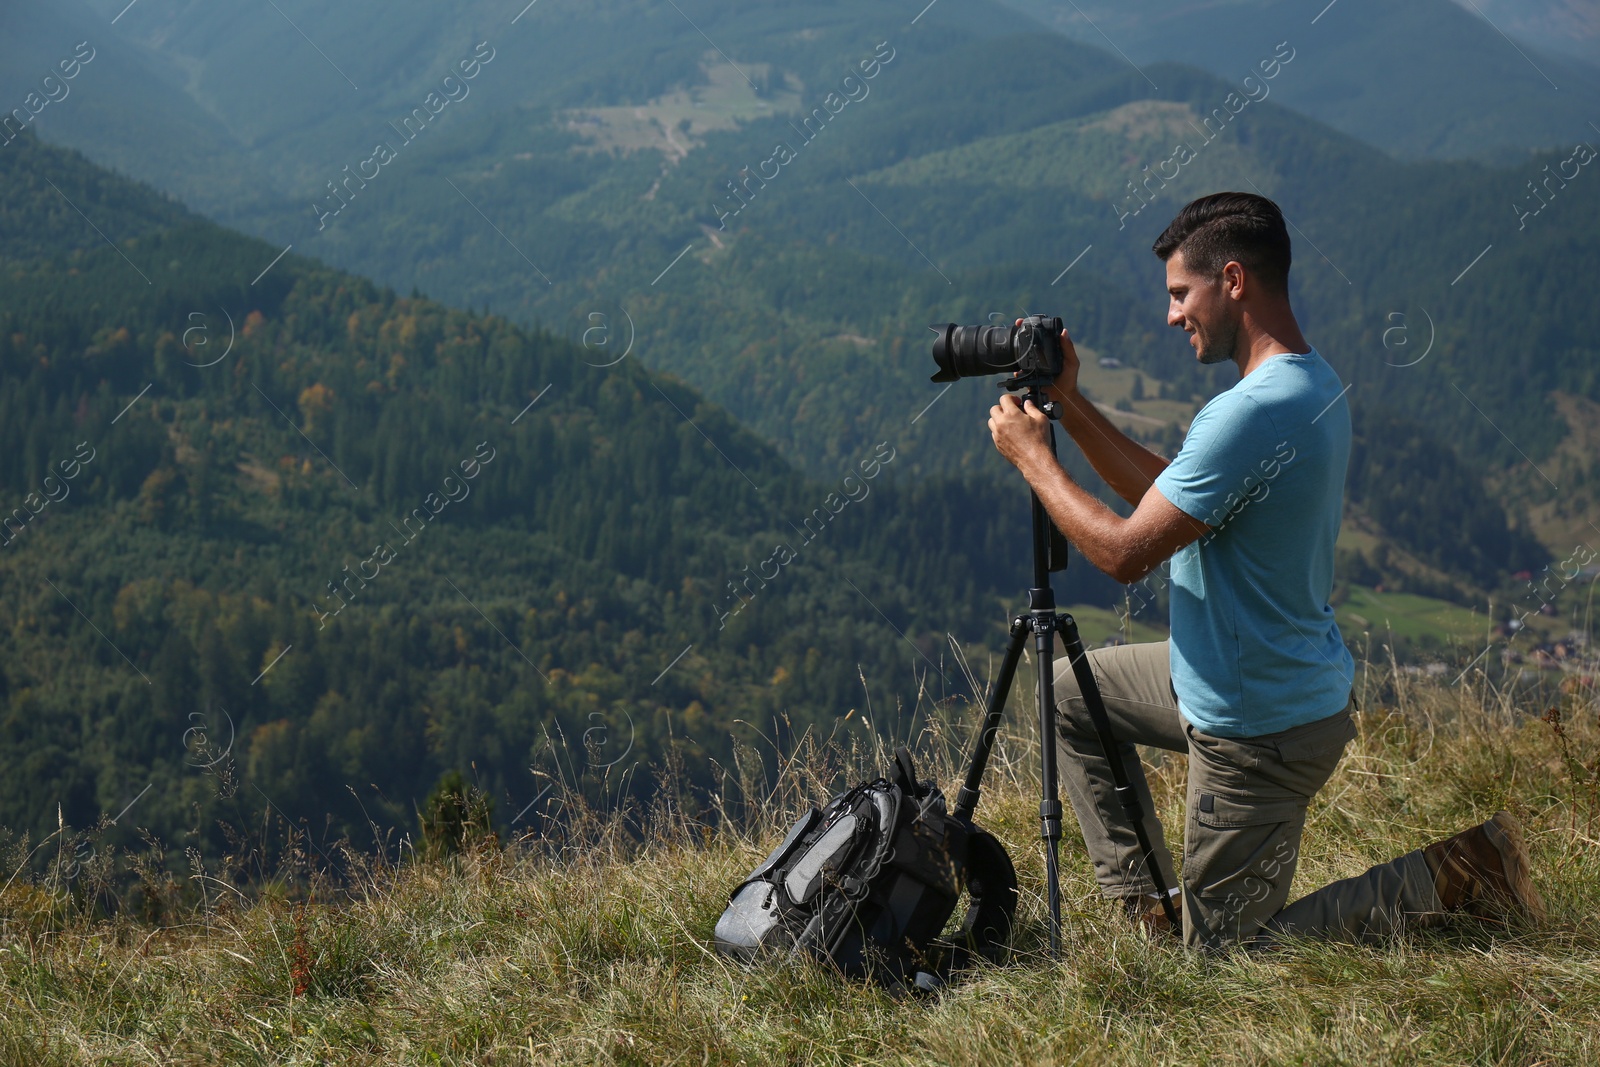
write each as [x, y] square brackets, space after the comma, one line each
[971, 351]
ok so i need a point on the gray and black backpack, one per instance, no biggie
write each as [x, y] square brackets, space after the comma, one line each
[869, 882]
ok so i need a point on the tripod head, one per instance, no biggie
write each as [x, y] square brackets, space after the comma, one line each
[1035, 384]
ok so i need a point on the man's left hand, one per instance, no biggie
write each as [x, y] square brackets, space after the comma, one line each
[1020, 430]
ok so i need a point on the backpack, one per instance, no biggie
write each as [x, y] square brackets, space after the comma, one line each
[868, 882]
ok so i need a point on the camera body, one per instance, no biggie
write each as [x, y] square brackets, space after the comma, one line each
[1031, 349]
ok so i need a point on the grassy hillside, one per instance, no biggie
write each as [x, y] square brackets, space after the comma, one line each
[594, 947]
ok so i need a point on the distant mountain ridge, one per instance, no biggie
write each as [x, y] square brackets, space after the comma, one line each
[1421, 79]
[1571, 27]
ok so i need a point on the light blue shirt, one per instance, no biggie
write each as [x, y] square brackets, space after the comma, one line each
[1254, 646]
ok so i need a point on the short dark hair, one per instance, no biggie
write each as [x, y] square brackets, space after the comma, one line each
[1223, 227]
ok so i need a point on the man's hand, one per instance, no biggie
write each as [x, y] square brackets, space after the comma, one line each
[1021, 431]
[1127, 548]
[1066, 383]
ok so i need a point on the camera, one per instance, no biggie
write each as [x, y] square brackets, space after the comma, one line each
[1032, 349]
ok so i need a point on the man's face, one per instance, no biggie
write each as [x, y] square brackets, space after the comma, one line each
[1200, 306]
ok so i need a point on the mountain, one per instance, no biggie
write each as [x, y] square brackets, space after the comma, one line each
[278, 536]
[126, 104]
[1571, 27]
[1421, 79]
[726, 194]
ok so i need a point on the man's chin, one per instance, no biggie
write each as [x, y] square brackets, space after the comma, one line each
[1208, 356]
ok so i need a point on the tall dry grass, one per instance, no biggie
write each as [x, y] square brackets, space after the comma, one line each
[592, 944]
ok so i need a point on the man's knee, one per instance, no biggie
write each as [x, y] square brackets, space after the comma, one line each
[1239, 862]
[1072, 712]
[1066, 682]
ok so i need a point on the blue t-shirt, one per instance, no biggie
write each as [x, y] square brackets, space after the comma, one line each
[1254, 646]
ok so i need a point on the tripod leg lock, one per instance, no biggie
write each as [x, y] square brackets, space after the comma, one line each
[1128, 797]
[1050, 819]
[966, 800]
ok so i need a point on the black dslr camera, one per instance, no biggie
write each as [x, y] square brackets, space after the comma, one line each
[1032, 349]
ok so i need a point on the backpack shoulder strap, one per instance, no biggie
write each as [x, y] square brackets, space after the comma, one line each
[905, 773]
[992, 907]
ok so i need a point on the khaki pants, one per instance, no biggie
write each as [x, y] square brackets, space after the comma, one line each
[1246, 809]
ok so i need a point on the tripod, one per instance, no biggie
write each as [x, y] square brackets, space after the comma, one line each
[1044, 622]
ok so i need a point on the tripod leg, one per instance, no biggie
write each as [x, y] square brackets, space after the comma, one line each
[1043, 622]
[1126, 795]
[967, 799]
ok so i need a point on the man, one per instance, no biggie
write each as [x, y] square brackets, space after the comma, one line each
[1255, 682]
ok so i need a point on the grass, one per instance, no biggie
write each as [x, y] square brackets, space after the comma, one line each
[1113, 385]
[1450, 633]
[1411, 616]
[1097, 624]
[676, 123]
[594, 948]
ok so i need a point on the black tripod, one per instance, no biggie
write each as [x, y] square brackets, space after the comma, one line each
[1044, 622]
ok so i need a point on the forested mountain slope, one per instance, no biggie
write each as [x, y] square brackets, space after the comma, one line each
[275, 535]
[773, 200]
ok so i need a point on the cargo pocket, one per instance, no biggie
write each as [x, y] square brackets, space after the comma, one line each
[1239, 861]
[1221, 812]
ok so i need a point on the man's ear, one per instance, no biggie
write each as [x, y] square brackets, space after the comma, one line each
[1233, 280]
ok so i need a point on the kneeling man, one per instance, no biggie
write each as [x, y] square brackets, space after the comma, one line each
[1255, 682]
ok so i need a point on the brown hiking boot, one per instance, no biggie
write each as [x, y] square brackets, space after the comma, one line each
[1145, 912]
[1484, 872]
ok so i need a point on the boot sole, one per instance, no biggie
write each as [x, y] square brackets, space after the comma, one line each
[1505, 833]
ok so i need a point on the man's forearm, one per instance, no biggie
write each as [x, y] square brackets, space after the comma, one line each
[1087, 522]
[1126, 549]
[1128, 467]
